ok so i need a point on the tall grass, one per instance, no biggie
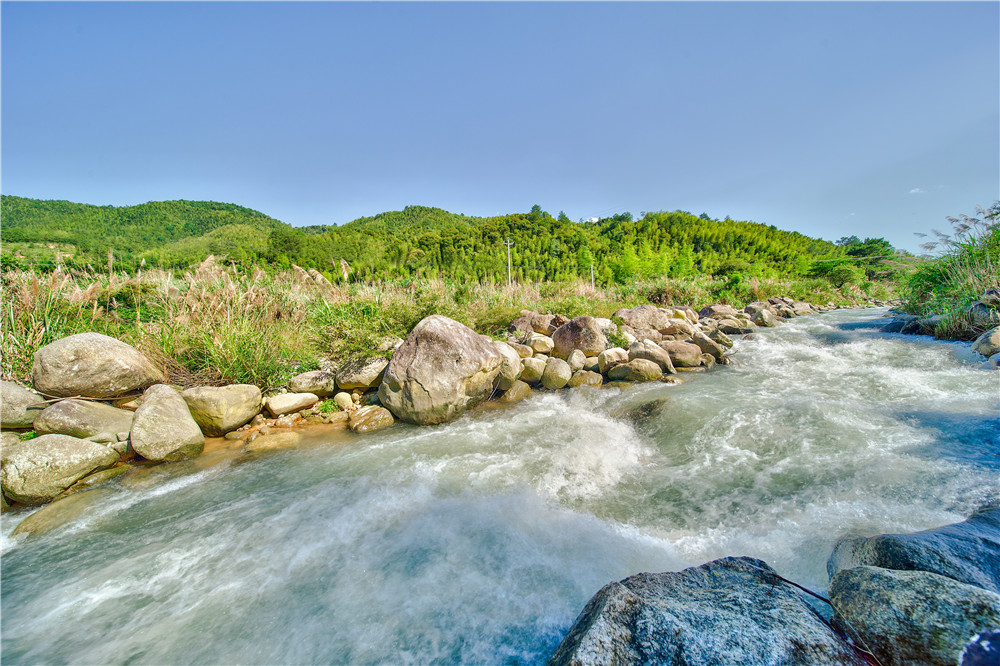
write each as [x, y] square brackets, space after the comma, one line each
[219, 325]
[965, 265]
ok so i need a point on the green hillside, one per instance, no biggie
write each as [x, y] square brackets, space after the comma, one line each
[417, 241]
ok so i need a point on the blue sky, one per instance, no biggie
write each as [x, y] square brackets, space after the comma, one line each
[832, 119]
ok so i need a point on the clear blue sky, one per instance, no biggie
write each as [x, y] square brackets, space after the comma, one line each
[874, 119]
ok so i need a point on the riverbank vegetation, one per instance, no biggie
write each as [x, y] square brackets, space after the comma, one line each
[218, 293]
[965, 264]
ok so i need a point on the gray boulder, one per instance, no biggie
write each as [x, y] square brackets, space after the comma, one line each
[442, 369]
[370, 419]
[755, 307]
[765, 318]
[585, 378]
[539, 343]
[968, 552]
[730, 611]
[522, 325]
[577, 359]
[519, 391]
[718, 311]
[801, 308]
[609, 358]
[583, 333]
[289, 403]
[361, 373]
[163, 428]
[18, 406]
[221, 409]
[322, 383]
[644, 316]
[911, 617]
[37, 470]
[637, 370]
[982, 315]
[83, 419]
[532, 370]
[736, 326]
[524, 351]
[679, 328]
[91, 365]
[707, 344]
[683, 354]
[556, 374]
[899, 322]
[650, 351]
[510, 368]
[988, 343]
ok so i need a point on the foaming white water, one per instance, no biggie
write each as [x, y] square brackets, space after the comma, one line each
[479, 541]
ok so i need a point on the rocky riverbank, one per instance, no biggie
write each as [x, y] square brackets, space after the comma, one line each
[980, 322]
[98, 407]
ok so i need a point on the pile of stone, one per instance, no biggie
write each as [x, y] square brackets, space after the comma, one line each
[98, 403]
[925, 598]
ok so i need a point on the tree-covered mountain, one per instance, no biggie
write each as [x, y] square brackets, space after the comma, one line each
[417, 241]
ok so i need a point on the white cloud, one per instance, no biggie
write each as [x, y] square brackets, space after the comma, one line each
[917, 190]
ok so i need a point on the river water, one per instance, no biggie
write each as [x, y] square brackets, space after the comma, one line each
[481, 540]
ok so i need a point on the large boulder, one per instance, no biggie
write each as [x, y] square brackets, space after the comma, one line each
[609, 358]
[370, 419]
[718, 311]
[532, 370]
[730, 611]
[988, 343]
[322, 383]
[83, 419]
[636, 370]
[585, 378]
[707, 344]
[442, 369]
[91, 365]
[765, 318]
[683, 354]
[163, 428]
[968, 552]
[18, 406]
[221, 409]
[510, 368]
[546, 324]
[650, 351]
[556, 374]
[37, 470]
[583, 333]
[911, 617]
[289, 403]
[361, 373]
[644, 316]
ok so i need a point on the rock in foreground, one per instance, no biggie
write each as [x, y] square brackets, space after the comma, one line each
[222, 409]
[911, 617]
[91, 365]
[968, 552]
[730, 611]
[163, 428]
[442, 369]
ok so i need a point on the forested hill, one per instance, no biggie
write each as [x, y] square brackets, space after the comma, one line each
[416, 241]
[129, 230]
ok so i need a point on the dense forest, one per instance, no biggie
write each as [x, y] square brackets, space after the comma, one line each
[417, 241]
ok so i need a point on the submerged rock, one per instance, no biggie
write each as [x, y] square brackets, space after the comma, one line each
[968, 552]
[442, 369]
[911, 617]
[19, 406]
[91, 365]
[37, 470]
[60, 512]
[730, 611]
[221, 409]
[273, 441]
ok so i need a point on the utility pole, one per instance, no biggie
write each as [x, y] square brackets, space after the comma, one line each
[509, 244]
[592, 275]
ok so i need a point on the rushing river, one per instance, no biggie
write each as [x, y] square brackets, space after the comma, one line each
[481, 540]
